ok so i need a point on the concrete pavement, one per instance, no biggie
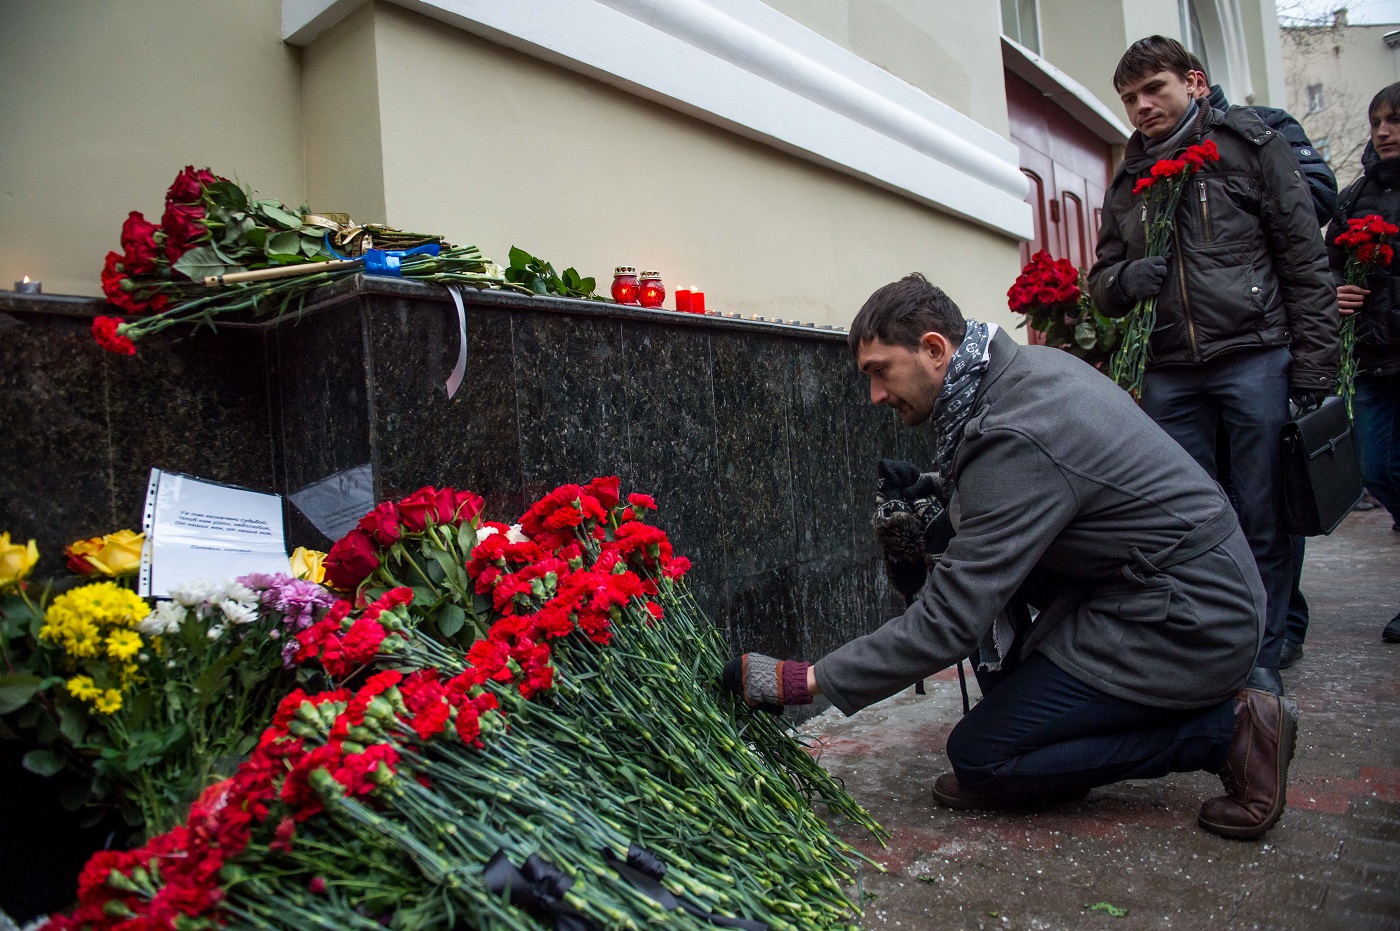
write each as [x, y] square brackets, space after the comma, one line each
[1332, 862]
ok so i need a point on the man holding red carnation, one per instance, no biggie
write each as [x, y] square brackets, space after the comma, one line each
[1246, 310]
[1375, 306]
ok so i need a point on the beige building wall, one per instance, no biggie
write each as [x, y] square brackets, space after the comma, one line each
[103, 103]
[509, 150]
[1351, 63]
[951, 51]
[1085, 41]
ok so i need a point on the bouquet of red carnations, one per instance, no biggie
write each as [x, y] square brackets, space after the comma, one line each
[525, 734]
[1365, 241]
[1051, 295]
[1161, 191]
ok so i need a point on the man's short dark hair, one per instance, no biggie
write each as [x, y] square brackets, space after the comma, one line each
[902, 311]
[1198, 65]
[1146, 57]
[1387, 98]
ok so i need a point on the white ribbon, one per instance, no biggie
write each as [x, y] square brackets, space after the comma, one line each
[459, 371]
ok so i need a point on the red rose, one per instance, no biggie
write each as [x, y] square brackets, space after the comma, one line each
[351, 561]
[417, 509]
[104, 330]
[184, 226]
[383, 523]
[188, 186]
[139, 243]
[607, 490]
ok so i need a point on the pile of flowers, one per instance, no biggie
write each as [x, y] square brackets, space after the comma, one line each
[213, 228]
[561, 757]
[1161, 193]
[139, 707]
[1365, 243]
[1052, 296]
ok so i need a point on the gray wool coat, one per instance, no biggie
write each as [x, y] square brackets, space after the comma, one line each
[1160, 601]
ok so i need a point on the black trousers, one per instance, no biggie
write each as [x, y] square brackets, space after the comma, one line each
[1041, 732]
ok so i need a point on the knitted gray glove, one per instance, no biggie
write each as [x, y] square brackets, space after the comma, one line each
[766, 683]
[1143, 278]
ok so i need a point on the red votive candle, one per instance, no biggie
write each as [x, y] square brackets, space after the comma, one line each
[653, 290]
[683, 301]
[697, 302]
[625, 288]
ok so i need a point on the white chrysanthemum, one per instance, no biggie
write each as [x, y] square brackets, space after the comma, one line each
[238, 613]
[232, 590]
[215, 632]
[165, 619]
[516, 535]
[193, 594]
[483, 532]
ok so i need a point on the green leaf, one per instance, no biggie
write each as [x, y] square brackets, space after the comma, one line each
[287, 242]
[277, 214]
[311, 247]
[451, 619]
[43, 762]
[1085, 335]
[587, 285]
[201, 262]
[16, 690]
[72, 722]
[227, 194]
[257, 236]
[519, 258]
[285, 258]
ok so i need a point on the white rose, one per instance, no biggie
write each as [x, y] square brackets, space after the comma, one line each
[483, 532]
[516, 535]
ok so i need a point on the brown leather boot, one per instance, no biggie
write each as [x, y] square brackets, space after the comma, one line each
[1256, 771]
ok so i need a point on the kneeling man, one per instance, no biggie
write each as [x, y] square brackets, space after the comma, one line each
[1063, 493]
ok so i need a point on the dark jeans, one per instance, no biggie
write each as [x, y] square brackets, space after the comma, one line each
[1296, 627]
[1247, 392]
[1041, 732]
[1376, 414]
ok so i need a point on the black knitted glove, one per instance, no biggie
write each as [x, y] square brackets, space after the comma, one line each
[1143, 278]
[910, 523]
[766, 683]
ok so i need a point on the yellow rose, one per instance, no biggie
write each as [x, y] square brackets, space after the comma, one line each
[16, 561]
[306, 564]
[112, 555]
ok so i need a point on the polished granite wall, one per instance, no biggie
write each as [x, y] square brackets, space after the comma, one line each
[756, 439]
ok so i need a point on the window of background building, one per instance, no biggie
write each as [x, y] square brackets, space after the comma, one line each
[1316, 100]
[1194, 35]
[1020, 23]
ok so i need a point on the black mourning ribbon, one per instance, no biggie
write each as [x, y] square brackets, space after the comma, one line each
[538, 888]
[643, 871]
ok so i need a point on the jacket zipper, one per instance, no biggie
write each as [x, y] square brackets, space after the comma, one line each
[1185, 302]
[1209, 234]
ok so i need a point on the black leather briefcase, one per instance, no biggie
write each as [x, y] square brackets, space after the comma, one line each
[1321, 475]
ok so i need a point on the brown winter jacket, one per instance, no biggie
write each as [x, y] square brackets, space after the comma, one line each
[1060, 471]
[1247, 267]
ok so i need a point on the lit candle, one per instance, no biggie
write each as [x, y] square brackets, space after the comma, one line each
[683, 300]
[29, 287]
[697, 301]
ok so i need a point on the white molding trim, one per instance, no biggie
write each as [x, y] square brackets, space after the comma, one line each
[742, 65]
[1074, 98]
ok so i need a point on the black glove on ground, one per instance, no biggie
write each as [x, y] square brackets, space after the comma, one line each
[1143, 278]
[766, 683]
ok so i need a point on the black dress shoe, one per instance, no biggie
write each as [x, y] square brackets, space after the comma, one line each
[1391, 634]
[1265, 680]
[1291, 653]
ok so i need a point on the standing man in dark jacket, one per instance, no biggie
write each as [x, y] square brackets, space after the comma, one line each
[1246, 312]
[1322, 185]
[1152, 610]
[1377, 309]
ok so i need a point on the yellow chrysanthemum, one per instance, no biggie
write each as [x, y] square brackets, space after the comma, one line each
[109, 702]
[123, 644]
[78, 620]
[83, 688]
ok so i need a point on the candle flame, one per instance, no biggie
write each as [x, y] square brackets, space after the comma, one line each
[26, 279]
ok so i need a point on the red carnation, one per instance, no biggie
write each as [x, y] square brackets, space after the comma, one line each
[104, 330]
[1143, 184]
